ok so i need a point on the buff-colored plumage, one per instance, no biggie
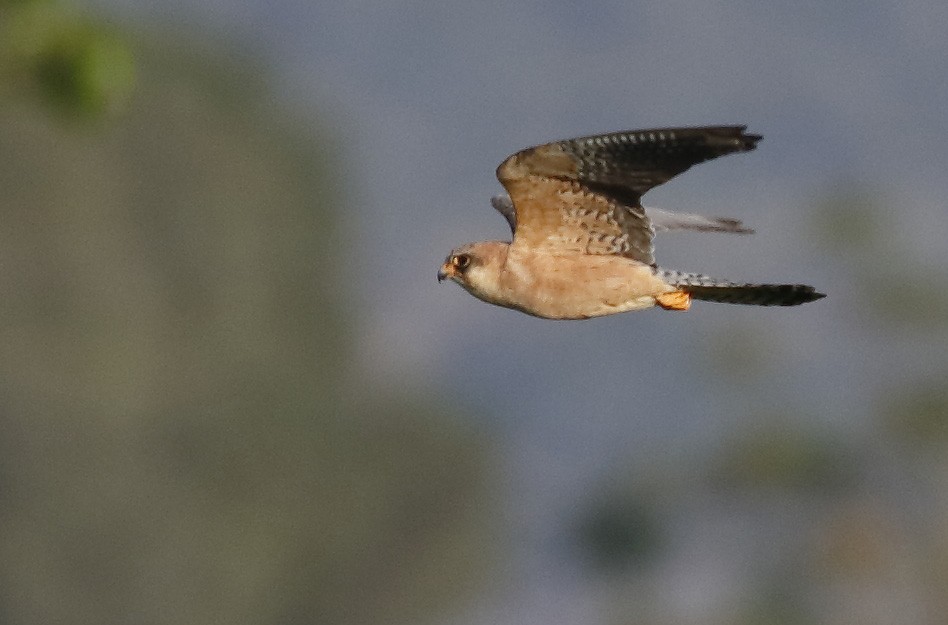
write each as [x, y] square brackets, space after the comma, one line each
[582, 241]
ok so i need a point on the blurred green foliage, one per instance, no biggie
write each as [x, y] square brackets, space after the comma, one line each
[855, 229]
[846, 219]
[918, 415]
[187, 438]
[621, 532]
[780, 603]
[78, 65]
[785, 457]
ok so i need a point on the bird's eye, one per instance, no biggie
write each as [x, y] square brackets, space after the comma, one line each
[461, 261]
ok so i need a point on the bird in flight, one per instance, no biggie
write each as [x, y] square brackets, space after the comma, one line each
[582, 241]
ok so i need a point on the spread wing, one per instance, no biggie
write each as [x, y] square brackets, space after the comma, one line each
[661, 220]
[584, 195]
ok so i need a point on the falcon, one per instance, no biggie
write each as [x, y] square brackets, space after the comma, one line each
[582, 241]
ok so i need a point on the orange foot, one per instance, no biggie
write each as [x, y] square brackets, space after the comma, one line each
[676, 300]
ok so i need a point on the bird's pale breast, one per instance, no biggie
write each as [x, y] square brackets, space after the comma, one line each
[577, 286]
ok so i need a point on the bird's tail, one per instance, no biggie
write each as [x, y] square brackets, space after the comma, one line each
[701, 287]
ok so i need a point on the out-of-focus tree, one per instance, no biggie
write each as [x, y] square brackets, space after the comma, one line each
[186, 436]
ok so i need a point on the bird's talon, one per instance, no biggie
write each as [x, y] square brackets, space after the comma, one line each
[675, 300]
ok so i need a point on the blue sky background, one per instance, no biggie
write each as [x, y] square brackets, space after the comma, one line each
[425, 99]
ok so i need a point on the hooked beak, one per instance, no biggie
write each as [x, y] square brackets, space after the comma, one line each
[446, 271]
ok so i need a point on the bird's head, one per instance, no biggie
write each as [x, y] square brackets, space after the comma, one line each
[476, 267]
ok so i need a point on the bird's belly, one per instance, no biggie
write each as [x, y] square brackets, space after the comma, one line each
[583, 286]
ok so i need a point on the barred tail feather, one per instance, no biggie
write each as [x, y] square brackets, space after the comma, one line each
[708, 289]
[756, 294]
